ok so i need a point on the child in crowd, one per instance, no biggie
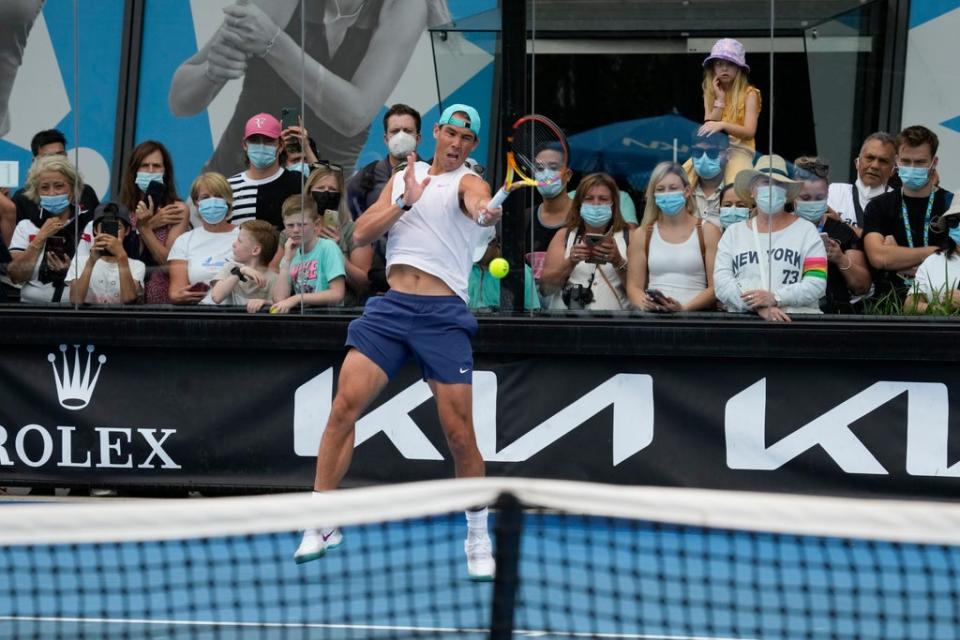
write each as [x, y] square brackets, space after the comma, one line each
[730, 104]
[484, 289]
[106, 275]
[312, 269]
[247, 280]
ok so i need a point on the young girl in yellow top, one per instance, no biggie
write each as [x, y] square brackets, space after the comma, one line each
[730, 104]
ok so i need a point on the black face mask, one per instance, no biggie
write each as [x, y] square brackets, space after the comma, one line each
[326, 200]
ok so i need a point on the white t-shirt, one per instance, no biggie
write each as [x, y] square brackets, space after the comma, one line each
[104, 287]
[33, 290]
[936, 275]
[797, 269]
[840, 199]
[205, 252]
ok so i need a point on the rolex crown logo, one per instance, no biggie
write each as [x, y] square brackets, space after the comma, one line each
[74, 387]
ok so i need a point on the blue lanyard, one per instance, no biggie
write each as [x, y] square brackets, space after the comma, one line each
[926, 220]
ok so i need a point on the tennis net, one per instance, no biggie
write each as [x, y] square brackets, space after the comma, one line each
[575, 560]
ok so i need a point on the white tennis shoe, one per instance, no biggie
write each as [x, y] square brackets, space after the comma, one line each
[480, 563]
[315, 543]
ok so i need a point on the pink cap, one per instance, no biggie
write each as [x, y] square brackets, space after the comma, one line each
[262, 124]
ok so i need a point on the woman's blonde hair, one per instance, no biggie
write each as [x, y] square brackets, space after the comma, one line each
[322, 172]
[617, 222]
[53, 164]
[216, 184]
[732, 100]
[651, 212]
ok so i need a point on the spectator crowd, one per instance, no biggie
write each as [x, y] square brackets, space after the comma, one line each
[727, 230]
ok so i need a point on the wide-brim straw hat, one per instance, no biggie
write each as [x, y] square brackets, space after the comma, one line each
[773, 167]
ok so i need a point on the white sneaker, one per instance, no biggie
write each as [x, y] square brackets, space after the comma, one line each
[315, 543]
[480, 563]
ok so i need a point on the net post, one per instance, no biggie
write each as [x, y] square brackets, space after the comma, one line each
[507, 531]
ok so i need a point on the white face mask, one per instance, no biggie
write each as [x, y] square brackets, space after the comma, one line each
[869, 193]
[401, 145]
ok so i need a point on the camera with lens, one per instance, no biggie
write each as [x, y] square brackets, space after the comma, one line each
[577, 296]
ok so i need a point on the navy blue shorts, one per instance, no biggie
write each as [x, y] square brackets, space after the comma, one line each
[433, 330]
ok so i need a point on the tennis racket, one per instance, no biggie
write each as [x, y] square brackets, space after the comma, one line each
[531, 136]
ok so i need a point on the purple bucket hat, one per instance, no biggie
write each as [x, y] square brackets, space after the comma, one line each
[730, 50]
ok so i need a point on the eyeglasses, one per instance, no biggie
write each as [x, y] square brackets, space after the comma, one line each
[812, 167]
[699, 152]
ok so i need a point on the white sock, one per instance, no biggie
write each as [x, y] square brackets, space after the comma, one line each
[477, 522]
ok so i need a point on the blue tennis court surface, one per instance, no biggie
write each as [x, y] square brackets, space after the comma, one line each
[579, 577]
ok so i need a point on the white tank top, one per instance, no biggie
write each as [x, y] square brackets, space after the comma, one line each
[676, 270]
[435, 236]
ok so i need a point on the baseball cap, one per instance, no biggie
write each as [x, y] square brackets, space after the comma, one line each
[111, 210]
[262, 124]
[472, 122]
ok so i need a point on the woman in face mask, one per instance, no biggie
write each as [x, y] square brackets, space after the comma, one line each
[672, 253]
[775, 263]
[157, 219]
[326, 187]
[937, 283]
[198, 255]
[848, 277]
[732, 208]
[586, 263]
[41, 249]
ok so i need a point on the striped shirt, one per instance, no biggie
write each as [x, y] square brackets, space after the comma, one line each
[263, 199]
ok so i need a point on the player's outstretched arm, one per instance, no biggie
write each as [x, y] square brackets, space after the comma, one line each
[377, 220]
[474, 196]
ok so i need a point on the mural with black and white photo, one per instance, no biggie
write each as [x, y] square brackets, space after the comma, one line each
[202, 74]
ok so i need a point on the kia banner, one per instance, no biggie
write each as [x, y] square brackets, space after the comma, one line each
[82, 415]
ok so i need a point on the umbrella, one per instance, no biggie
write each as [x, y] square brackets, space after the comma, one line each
[629, 150]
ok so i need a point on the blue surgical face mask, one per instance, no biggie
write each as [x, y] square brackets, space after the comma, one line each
[596, 215]
[707, 167]
[914, 177]
[954, 234]
[771, 199]
[302, 167]
[551, 190]
[213, 210]
[732, 215]
[670, 202]
[144, 179]
[55, 204]
[811, 210]
[261, 155]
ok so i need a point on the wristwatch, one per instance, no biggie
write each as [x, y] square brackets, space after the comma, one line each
[236, 271]
[776, 298]
[400, 203]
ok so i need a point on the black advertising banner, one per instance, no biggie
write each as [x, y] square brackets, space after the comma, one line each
[76, 415]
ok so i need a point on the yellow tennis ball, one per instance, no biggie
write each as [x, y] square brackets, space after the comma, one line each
[499, 267]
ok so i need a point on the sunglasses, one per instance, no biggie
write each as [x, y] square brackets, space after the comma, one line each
[324, 164]
[812, 168]
[699, 152]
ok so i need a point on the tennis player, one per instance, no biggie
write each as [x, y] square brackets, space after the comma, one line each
[435, 214]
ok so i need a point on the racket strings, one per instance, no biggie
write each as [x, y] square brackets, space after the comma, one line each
[530, 138]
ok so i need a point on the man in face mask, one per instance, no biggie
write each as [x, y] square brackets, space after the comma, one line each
[401, 135]
[259, 191]
[874, 166]
[897, 234]
[708, 157]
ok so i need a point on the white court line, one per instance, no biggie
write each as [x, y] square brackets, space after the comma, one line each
[358, 627]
